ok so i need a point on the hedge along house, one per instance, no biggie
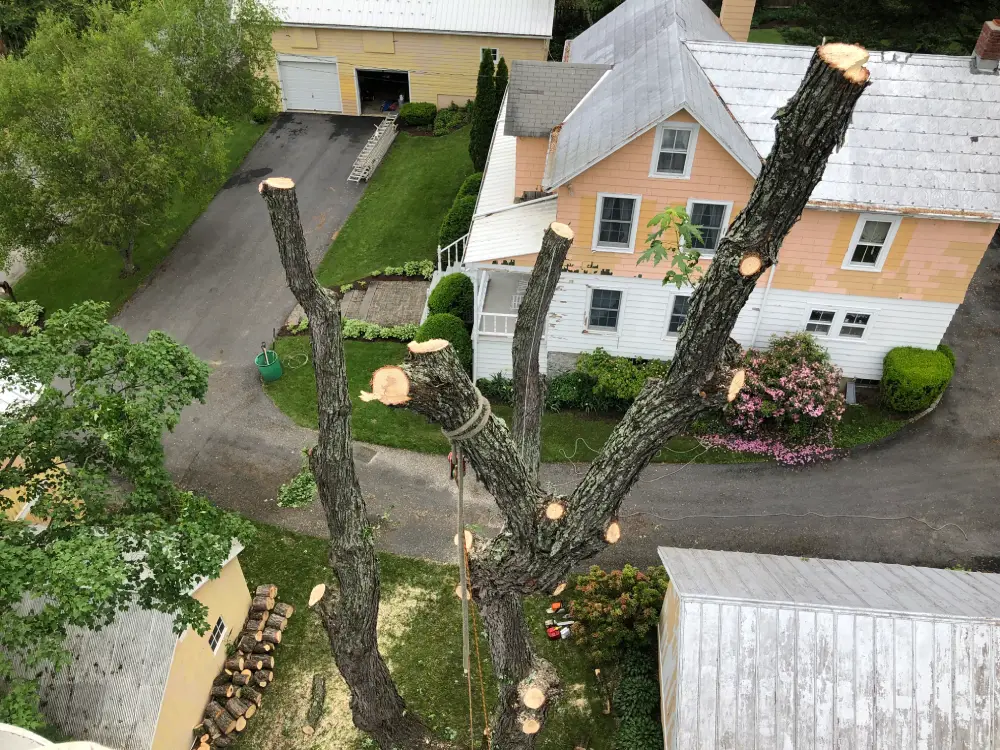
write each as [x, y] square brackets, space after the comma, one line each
[353, 56]
[762, 651]
[656, 105]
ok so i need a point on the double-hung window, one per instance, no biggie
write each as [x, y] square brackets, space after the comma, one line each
[854, 325]
[605, 308]
[871, 242]
[844, 324]
[678, 313]
[712, 220]
[215, 638]
[616, 222]
[820, 322]
[674, 150]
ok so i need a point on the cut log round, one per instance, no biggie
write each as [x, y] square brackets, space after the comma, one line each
[613, 533]
[226, 722]
[285, 610]
[739, 379]
[241, 724]
[251, 710]
[235, 663]
[533, 698]
[223, 741]
[238, 706]
[390, 384]
[253, 624]
[255, 661]
[277, 622]
[213, 730]
[750, 264]
[247, 643]
[263, 647]
[316, 594]
[242, 678]
[277, 183]
[254, 634]
[530, 726]
[554, 511]
[265, 661]
[266, 589]
[850, 58]
[262, 604]
[263, 678]
[271, 635]
[213, 712]
[223, 691]
[203, 746]
[253, 695]
[222, 679]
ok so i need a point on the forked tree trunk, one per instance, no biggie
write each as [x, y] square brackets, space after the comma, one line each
[529, 386]
[545, 536]
[350, 610]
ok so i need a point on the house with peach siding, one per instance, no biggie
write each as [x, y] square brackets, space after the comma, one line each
[661, 104]
[357, 56]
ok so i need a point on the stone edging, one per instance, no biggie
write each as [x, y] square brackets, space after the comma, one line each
[907, 423]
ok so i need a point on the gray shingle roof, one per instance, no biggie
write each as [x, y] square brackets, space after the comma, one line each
[541, 94]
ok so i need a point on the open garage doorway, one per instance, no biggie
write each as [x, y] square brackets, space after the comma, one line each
[382, 90]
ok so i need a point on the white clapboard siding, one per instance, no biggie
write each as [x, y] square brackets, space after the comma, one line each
[493, 355]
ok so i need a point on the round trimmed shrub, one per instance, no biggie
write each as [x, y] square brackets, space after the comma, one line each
[417, 113]
[458, 219]
[471, 185]
[451, 329]
[913, 378]
[639, 733]
[453, 294]
[946, 351]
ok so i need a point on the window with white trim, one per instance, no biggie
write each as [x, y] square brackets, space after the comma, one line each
[493, 51]
[674, 150]
[854, 325]
[605, 308]
[871, 242]
[616, 222]
[678, 313]
[215, 638]
[711, 218]
[820, 322]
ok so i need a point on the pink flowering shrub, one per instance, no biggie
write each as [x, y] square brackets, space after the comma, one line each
[790, 402]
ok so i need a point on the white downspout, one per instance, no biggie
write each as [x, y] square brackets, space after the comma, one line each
[763, 304]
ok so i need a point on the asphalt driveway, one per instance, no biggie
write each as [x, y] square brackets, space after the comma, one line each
[222, 292]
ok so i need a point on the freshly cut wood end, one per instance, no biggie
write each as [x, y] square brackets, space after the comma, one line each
[563, 230]
[390, 385]
[458, 591]
[750, 264]
[426, 347]
[530, 726]
[468, 540]
[533, 698]
[555, 511]
[316, 594]
[277, 183]
[850, 58]
[559, 589]
[308, 730]
[739, 378]
[368, 396]
[613, 533]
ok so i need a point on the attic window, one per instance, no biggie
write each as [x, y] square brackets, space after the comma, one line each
[674, 150]
[216, 636]
[873, 236]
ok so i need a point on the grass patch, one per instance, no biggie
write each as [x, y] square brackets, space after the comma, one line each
[398, 217]
[865, 424]
[566, 436]
[72, 276]
[420, 637]
[766, 36]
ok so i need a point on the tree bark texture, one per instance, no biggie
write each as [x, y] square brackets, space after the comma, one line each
[350, 610]
[535, 553]
[128, 263]
[529, 386]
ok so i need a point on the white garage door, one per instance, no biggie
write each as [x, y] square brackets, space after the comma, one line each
[310, 85]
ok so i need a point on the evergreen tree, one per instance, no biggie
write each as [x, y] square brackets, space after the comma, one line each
[484, 113]
[500, 82]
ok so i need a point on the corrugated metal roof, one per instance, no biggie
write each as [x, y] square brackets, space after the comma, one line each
[790, 652]
[497, 188]
[541, 94]
[516, 230]
[925, 135]
[494, 18]
[660, 78]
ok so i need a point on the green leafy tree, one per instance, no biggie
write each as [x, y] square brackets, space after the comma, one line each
[683, 239]
[18, 18]
[484, 113]
[99, 133]
[222, 51]
[86, 452]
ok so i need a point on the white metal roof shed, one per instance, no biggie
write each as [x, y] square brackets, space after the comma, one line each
[785, 652]
[531, 18]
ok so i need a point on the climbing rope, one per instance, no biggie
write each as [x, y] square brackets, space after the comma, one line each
[475, 424]
[479, 665]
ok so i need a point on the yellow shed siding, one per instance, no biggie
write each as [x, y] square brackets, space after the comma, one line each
[194, 665]
[931, 260]
[442, 67]
[736, 17]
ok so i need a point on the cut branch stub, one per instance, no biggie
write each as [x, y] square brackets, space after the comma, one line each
[468, 540]
[613, 533]
[849, 58]
[533, 698]
[750, 264]
[426, 347]
[316, 594]
[555, 511]
[276, 183]
[738, 381]
[530, 726]
[390, 385]
[559, 589]
[458, 591]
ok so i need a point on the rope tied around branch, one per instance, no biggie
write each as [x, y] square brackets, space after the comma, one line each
[475, 424]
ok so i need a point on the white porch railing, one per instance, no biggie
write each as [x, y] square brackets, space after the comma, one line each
[374, 151]
[452, 254]
[497, 324]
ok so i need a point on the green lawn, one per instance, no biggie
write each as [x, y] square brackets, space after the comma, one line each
[398, 217]
[420, 636]
[766, 36]
[566, 436]
[74, 276]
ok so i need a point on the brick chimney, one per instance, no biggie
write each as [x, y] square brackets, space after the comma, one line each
[986, 58]
[736, 16]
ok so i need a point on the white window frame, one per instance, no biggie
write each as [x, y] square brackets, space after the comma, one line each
[847, 265]
[725, 220]
[839, 312]
[669, 335]
[590, 299]
[222, 634]
[855, 311]
[833, 322]
[597, 224]
[494, 50]
[692, 142]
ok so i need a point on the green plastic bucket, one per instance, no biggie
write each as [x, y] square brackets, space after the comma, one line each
[269, 366]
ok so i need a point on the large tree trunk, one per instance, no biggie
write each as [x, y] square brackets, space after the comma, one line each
[128, 263]
[350, 610]
[529, 386]
[545, 536]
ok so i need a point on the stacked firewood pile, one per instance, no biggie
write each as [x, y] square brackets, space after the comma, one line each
[237, 691]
